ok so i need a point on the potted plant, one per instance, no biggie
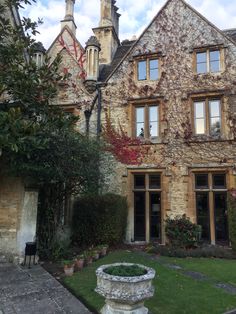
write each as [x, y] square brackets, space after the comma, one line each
[80, 261]
[125, 286]
[68, 267]
[88, 257]
[103, 249]
[95, 254]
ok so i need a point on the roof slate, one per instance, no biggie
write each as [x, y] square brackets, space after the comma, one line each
[230, 33]
[106, 70]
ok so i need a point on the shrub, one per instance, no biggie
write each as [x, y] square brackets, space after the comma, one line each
[181, 232]
[232, 218]
[125, 271]
[99, 219]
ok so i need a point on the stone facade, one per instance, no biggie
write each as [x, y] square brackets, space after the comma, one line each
[176, 156]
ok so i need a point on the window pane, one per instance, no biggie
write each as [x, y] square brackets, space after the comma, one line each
[221, 224]
[219, 181]
[140, 121]
[140, 114]
[142, 73]
[202, 208]
[153, 121]
[215, 61]
[201, 181]
[200, 126]
[199, 114]
[140, 130]
[201, 62]
[215, 126]
[215, 66]
[139, 181]
[202, 68]
[214, 55]
[153, 67]
[139, 216]
[154, 129]
[199, 108]
[155, 215]
[214, 108]
[155, 181]
[201, 57]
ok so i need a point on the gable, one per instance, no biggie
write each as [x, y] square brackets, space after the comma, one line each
[177, 23]
[68, 42]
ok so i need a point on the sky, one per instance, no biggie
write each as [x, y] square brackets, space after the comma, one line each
[135, 16]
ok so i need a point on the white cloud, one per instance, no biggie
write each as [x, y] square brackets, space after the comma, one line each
[136, 15]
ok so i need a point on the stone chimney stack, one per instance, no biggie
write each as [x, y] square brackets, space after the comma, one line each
[69, 16]
[92, 63]
[108, 31]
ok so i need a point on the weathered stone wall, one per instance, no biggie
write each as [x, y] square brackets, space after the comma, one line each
[175, 32]
[18, 216]
[11, 198]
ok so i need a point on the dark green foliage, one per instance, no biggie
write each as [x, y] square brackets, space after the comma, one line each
[207, 252]
[125, 271]
[99, 219]
[39, 141]
[232, 219]
[181, 232]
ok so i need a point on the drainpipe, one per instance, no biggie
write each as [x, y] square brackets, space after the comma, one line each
[88, 113]
[99, 110]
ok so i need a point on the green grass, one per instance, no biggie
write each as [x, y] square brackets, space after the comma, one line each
[175, 293]
[216, 269]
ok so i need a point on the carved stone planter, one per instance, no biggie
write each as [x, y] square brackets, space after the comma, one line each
[125, 295]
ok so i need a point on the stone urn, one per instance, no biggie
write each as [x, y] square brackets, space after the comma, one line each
[125, 295]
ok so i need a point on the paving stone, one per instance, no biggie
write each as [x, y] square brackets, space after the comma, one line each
[195, 275]
[227, 287]
[231, 312]
[70, 305]
[176, 267]
[34, 291]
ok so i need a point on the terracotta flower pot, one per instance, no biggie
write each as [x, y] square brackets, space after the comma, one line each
[69, 270]
[104, 251]
[80, 263]
[95, 255]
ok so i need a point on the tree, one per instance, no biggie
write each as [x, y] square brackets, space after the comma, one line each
[38, 140]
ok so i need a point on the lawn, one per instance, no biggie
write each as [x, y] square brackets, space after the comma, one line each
[175, 292]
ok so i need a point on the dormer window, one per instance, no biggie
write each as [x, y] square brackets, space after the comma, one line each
[148, 69]
[209, 60]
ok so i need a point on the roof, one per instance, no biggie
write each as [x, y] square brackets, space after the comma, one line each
[230, 33]
[106, 70]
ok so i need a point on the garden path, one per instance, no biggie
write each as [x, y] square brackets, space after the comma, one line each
[34, 290]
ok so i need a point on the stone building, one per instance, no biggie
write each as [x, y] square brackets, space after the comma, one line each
[174, 89]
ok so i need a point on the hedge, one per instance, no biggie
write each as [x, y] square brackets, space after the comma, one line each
[99, 219]
[232, 219]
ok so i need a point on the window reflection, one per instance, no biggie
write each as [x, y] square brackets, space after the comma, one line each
[153, 121]
[215, 61]
[199, 113]
[142, 73]
[201, 62]
[140, 121]
[214, 107]
[153, 67]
